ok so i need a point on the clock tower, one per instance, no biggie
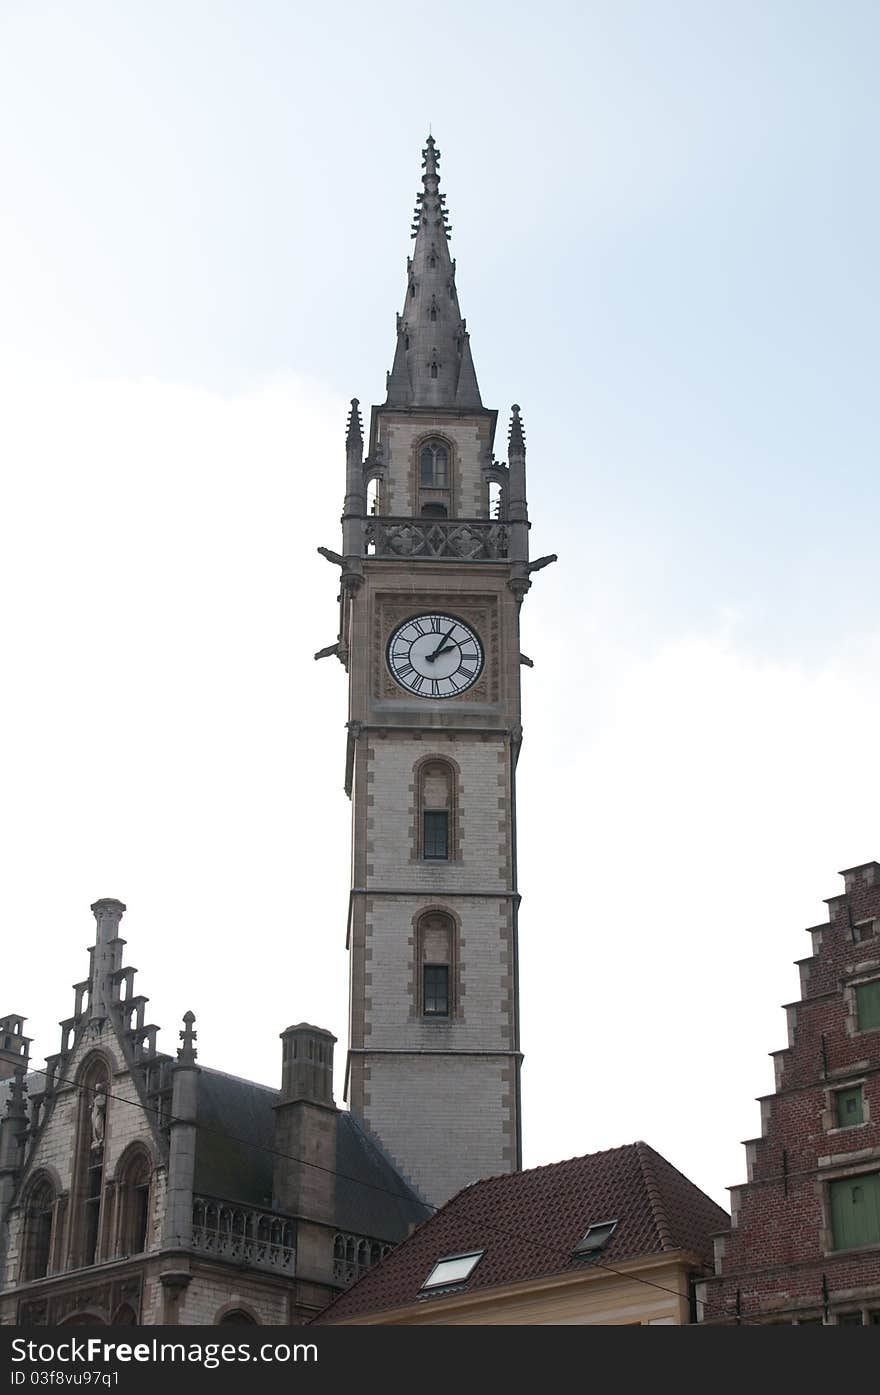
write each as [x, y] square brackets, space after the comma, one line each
[434, 568]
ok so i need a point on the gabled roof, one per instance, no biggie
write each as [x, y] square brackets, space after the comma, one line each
[528, 1224]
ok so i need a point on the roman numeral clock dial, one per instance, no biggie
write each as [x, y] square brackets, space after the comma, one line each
[435, 656]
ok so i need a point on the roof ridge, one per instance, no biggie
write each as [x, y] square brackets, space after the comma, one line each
[544, 1167]
[645, 1154]
[242, 1079]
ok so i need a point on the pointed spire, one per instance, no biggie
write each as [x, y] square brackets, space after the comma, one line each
[516, 440]
[432, 366]
[354, 427]
[517, 508]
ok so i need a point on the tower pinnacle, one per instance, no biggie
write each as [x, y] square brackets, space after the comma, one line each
[432, 361]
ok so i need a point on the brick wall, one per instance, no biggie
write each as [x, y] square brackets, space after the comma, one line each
[779, 1257]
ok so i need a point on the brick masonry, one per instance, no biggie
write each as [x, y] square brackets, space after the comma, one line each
[779, 1261]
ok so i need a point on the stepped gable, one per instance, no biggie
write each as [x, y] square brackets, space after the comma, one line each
[804, 1242]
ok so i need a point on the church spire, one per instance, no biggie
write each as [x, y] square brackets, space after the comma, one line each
[432, 361]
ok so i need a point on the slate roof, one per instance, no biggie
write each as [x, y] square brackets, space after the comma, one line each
[372, 1199]
[529, 1222]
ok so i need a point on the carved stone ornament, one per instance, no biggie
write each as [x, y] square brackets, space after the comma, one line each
[99, 1115]
[470, 540]
[478, 611]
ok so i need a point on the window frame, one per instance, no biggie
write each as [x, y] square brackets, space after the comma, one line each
[435, 1013]
[839, 1094]
[438, 814]
[870, 1176]
[583, 1250]
[874, 984]
[431, 1284]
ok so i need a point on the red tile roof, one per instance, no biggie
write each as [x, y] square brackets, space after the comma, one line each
[529, 1222]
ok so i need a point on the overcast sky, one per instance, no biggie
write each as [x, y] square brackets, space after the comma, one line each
[665, 217]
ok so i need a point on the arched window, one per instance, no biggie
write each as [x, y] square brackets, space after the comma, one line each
[436, 965]
[434, 477]
[39, 1211]
[88, 1188]
[237, 1317]
[434, 465]
[436, 805]
[133, 1202]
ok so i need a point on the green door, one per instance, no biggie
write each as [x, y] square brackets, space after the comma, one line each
[855, 1211]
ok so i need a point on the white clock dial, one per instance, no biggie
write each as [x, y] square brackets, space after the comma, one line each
[435, 656]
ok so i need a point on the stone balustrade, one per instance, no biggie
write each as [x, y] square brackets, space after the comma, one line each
[263, 1239]
[460, 539]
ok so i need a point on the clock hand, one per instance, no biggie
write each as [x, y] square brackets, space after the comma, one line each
[447, 649]
[439, 649]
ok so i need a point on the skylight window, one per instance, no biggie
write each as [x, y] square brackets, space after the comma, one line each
[595, 1238]
[452, 1269]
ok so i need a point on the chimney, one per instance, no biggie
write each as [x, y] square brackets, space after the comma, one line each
[304, 1182]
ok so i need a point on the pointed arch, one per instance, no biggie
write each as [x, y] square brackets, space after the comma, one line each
[87, 1210]
[133, 1196]
[39, 1209]
[433, 471]
[237, 1315]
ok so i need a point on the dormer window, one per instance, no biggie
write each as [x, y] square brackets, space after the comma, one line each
[453, 1269]
[595, 1238]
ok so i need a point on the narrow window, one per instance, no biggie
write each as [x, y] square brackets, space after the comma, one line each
[436, 787]
[433, 317]
[868, 1005]
[850, 1107]
[436, 991]
[435, 939]
[434, 463]
[433, 370]
[38, 1230]
[436, 837]
[92, 1203]
[134, 1204]
[855, 1211]
[88, 1188]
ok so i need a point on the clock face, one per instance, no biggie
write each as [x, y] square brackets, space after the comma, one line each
[435, 656]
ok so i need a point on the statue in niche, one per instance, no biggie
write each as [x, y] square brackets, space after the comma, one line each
[99, 1115]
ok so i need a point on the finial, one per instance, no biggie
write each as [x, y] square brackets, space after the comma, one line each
[516, 437]
[354, 431]
[187, 1053]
